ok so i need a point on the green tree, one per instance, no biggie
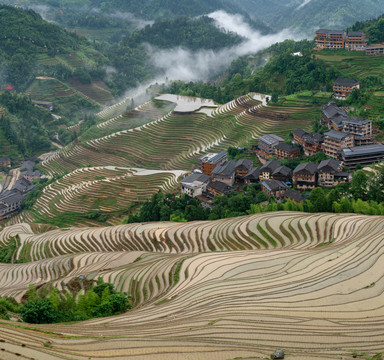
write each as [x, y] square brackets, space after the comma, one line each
[38, 312]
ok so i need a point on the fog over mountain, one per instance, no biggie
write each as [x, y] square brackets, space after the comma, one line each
[183, 64]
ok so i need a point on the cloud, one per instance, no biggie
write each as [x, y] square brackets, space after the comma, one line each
[303, 4]
[184, 64]
[126, 16]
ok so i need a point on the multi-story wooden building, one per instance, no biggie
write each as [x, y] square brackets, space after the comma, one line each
[377, 49]
[268, 168]
[356, 41]
[305, 176]
[209, 161]
[311, 142]
[360, 128]
[363, 155]
[267, 143]
[286, 151]
[335, 118]
[334, 141]
[343, 87]
[225, 173]
[331, 173]
[330, 39]
[282, 173]
[274, 188]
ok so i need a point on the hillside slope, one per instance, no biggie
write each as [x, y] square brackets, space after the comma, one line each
[309, 284]
[307, 16]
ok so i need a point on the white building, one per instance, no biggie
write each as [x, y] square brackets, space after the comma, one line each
[194, 185]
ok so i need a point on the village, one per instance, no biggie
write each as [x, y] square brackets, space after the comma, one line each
[348, 144]
[17, 189]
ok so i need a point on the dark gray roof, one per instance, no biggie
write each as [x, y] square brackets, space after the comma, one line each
[286, 147]
[331, 110]
[342, 174]
[346, 81]
[363, 150]
[274, 185]
[330, 32]
[245, 164]
[356, 33]
[356, 120]
[198, 177]
[270, 166]
[306, 168]
[299, 132]
[329, 166]
[220, 187]
[294, 195]
[314, 138]
[4, 159]
[227, 169]
[213, 157]
[11, 197]
[253, 174]
[334, 134]
[282, 170]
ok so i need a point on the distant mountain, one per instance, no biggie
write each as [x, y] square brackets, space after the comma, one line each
[308, 15]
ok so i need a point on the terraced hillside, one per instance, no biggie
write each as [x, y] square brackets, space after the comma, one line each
[175, 141]
[309, 284]
[104, 189]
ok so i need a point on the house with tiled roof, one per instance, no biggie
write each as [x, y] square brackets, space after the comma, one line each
[305, 176]
[274, 188]
[286, 151]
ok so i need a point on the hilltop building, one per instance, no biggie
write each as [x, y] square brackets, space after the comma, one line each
[335, 141]
[343, 87]
[377, 49]
[356, 41]
[330, 39]
[209, 161]
[339, 39]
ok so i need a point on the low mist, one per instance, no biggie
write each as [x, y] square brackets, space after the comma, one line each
[187, 65]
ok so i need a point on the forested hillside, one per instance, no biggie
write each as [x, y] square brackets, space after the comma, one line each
[373, 28]
[306, 16]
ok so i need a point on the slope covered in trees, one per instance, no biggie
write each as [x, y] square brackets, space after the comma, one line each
[308, 15]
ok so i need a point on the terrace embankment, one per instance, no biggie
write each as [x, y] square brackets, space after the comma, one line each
[234, 288]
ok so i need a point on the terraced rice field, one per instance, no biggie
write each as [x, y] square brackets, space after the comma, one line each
[312, 285]
[356, 66]
[175, 141]
[97, 91]
[55, 91]
[102, 188]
